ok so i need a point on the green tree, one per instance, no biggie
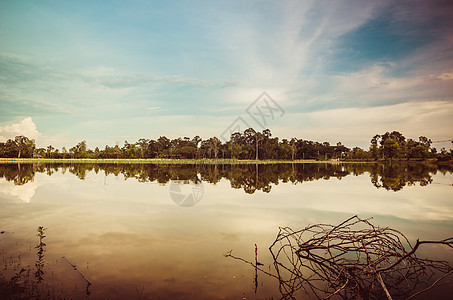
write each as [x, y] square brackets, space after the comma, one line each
[64, 152]
[249, 144]
[419, 152]
[8, 149]
[49, 151]
[424, 141]
[196, 141]
[215, 144]
[391, 148]
[130, 151]
[258, 140]
[374, 149]
[143, 146]
[24, 146]
[284, 149]
[163, 146]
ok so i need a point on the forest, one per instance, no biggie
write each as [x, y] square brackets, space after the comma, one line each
[249, 145]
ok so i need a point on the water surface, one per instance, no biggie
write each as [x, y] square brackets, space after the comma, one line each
[160, 231]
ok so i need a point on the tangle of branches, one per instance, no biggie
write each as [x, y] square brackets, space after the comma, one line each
[352, 260]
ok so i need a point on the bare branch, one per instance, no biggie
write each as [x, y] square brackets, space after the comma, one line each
[354, 259]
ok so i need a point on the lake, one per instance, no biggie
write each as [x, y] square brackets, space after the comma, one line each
[144, 231]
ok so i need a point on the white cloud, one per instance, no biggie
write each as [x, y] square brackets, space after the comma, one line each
[288, 58]
[26, 127]
[446, 76]
[281, 48]
[371, 86]
[299, 40]
[356, 126]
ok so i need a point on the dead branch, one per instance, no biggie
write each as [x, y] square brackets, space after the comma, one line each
[354, 259]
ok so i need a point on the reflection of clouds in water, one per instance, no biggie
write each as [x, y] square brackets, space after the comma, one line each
[354, 195]
[22, 192]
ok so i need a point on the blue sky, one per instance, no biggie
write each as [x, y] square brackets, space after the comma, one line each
[110, 71]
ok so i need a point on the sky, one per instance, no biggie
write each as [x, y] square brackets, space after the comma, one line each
[111, 71]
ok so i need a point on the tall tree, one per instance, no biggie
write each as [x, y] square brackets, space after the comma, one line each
[49, 151]
[163, 144]
[215, 145]
[374, 146]
[425, 141]
[143, 146]
[391, 148]
[196, 141]
[258, 139]
[24, 145]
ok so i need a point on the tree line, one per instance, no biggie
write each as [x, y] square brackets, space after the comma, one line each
[394, 145]
[248, 145]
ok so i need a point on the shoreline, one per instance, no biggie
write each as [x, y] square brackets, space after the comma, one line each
[156, 161]
[194, 161]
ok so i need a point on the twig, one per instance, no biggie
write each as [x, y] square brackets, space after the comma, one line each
[431, 286]
[228, 254]
[78, 271]
[378, 276]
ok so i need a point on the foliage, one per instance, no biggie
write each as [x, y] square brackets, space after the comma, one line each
[395, 146]
[21, 146]
[248, 145]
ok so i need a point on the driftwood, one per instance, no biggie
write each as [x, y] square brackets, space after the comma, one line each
[354, 259]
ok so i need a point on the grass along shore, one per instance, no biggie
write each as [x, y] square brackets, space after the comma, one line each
[157, 161]
[203, 161]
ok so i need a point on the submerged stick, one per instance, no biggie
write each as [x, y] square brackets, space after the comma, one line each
[78, 271]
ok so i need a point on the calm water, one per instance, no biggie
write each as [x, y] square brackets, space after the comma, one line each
[160, 231]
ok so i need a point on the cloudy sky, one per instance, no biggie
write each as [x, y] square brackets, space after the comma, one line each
[109, 71]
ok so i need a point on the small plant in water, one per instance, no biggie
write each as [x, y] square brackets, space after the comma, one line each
[19, 280]
[22, 285]
[40, 253]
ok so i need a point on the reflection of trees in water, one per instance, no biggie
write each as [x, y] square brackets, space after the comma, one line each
[248, 177]
[395, 176]
[18, 173]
